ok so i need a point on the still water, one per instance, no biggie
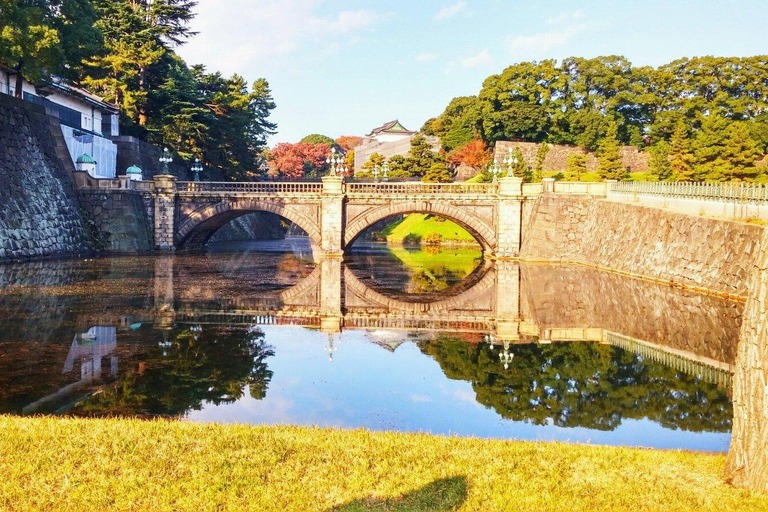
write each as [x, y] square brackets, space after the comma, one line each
[438, 341]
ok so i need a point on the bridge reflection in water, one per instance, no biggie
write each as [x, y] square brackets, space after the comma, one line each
[193, 306]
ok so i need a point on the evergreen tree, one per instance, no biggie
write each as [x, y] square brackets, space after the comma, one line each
[420, 157]
[576, 163]
[39, 38]
[741, 152]
[680, 156]
[399, 167]
[438, 173]
[709, 150]
[538, 168]
[373, 160]
[610, 166]
[520, 167]
[659, 164]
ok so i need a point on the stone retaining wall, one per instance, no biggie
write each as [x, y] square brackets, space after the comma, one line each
[704, 253]
[124, 219]
[39, 213]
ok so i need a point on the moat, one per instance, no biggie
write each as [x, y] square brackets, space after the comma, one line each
[432, 340]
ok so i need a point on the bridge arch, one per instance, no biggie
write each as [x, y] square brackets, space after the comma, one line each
[198, 226]
[479, 228]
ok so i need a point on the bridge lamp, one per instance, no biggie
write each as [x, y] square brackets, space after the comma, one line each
[330, 348]
[335, 163]
[376, 170]
[506, 357]
[197, 168]
[495, 170]
[385, 171]
[490, 339]
[196, 329]
[165, 159]
[510, 160]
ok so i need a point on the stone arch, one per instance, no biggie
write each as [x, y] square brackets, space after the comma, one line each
[198, 226]
[479, 228]
[466, 292]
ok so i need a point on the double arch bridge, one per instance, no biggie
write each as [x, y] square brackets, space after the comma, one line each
[335, 213]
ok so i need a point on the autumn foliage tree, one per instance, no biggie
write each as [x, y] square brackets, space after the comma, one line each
[349, 142]
[301, 160]
[474, 154]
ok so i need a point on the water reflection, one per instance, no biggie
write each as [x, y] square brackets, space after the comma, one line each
[501, 350]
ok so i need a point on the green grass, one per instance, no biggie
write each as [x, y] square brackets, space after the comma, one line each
[117, 464]
[457, 260]
[420, 224]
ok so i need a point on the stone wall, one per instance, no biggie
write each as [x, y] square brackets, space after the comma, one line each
[251, 226]
[703, 253]
[132, 151]
[124, 218]
[39, 212]
[557, 156]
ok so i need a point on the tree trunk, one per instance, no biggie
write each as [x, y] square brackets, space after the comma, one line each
[142, 86]
[747, 464]
[19, 82]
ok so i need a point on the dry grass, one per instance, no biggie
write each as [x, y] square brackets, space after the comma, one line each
[76, 464]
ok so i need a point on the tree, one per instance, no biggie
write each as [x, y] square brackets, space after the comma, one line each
[541, 157]
[659, 165]
[316, 138]
[520, 167]
[399, 167]
[39, 38]
[610, 165]
[741, 152]
[420, 156]
[680, 155]
[710, 161]
[298, 160]
[474, 154]
[373, 160]
[349, 142]
[349, 161]
[438, 173]
[577, 163]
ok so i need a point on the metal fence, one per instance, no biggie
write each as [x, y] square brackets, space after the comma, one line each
[263, 187]
[416, 188]
[723, 192]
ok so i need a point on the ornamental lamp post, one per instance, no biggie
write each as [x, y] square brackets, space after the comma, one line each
[376, 170]
[335, 163]
[197, 168]
[495, 170]
[165, 159]
[510, 160]
[385, 171]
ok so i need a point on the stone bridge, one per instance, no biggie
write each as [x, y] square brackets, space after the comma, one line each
[334, 213]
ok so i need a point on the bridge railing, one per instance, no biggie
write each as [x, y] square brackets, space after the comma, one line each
[268, 187]
[415, 188]
[724, 192]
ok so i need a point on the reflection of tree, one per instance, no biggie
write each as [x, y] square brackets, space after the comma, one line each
[583, 385]
[435, 279]
[215, 368]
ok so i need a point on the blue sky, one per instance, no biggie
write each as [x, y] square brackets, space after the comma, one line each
[344, 67]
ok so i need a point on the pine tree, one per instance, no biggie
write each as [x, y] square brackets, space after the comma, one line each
[680, 155]
[437, 173]
[709, 151]
[420, 157]
[610, 166]
[577, 164]
[520, 167]
[659, 165]
[741, 152]
[538, 168]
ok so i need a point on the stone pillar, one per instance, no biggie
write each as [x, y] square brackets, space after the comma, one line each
[165, 207]
[332, 216]
[747, 464]
[509, 217]
[330, 294]
[548, 185]
[507, 301]
[164, 297]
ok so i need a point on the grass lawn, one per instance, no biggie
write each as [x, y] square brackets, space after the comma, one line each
[421, 224]
[112, 464]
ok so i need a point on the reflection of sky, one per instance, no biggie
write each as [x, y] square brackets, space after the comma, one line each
[368, 386]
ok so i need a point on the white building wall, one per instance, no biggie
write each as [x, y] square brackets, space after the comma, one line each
[103, 150]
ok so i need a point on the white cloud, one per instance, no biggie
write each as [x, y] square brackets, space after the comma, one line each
[425, 57]
[564, 27]
[476, 60]
[257, 31]
[451, 10]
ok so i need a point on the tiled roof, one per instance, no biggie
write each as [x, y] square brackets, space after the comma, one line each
[392, 126]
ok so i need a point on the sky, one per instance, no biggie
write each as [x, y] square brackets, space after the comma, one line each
[346, 67]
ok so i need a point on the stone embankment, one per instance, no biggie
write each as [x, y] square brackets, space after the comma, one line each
[39, 214]
[702, 253]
